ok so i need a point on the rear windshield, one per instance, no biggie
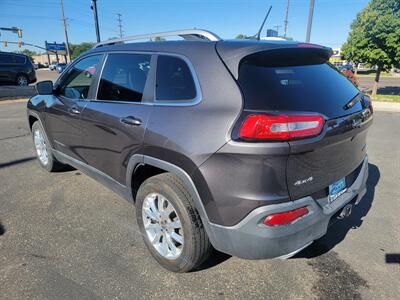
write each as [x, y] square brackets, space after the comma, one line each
[312, 88]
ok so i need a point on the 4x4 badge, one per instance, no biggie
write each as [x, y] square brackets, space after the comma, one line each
[303, 181]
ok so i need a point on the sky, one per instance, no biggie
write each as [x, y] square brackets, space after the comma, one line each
[41, 19]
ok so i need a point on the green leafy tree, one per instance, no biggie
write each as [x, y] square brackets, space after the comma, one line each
[159, 39]
[241, 36]
[28, 53]
[375, 37]
[77, 49]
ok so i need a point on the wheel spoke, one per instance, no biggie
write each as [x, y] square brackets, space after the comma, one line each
[177, 237]
[157, 237]
[164, 245]
[154, 209]
[153, 226]
[175, 224]
[150, 213]
[171, 244]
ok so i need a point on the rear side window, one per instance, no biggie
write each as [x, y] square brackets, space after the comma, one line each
[312, 88]
[19, 59]
[11, 59]
[174, 80]
[124, 77]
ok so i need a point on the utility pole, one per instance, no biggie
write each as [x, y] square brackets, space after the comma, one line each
[286, 18]
[96, 20]
[65, 30]
[310, 17]
[120, 25]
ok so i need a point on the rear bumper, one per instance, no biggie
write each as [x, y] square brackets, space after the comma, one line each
[251, 239]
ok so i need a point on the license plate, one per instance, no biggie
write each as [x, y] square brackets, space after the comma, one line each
[336, 189]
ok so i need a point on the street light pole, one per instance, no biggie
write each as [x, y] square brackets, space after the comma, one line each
[96, 20]
[65, 30]
[310, 17]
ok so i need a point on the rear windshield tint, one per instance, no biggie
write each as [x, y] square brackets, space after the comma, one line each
[309, 87]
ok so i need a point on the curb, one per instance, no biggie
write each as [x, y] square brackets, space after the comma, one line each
[386, 106]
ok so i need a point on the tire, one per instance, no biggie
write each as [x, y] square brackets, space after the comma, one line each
[196, 247]
[51, 164]
[22, 80]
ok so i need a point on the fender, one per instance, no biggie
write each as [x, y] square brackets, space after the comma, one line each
[139, 159]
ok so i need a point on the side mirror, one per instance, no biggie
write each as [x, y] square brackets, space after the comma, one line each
[44, 87]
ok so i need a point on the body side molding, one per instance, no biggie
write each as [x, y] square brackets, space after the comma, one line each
[99, 176]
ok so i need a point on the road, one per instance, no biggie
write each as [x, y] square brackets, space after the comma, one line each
[386, 85]
[46, 74]
[66, 236]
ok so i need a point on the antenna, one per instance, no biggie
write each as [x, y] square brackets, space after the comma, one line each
[258, 34]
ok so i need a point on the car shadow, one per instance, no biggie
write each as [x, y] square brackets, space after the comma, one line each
[339, 230]
[2, 229]
[215, 259]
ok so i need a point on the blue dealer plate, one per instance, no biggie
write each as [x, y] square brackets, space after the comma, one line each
[336, 189]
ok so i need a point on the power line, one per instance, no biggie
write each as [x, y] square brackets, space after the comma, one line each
[65, 30]
[286, 18]
[120, 25]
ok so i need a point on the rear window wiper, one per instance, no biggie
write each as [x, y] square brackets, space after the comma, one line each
[352, 102]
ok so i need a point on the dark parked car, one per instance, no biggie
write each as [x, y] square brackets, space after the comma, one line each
[60, 67]
[16, 69]
[252, 147]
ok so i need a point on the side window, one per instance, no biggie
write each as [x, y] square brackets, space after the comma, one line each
[76, 84]
[174, 80]
[124, 77]
[19, 59]
[6, 58]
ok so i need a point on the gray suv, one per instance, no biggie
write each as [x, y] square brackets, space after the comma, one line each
[250, 147]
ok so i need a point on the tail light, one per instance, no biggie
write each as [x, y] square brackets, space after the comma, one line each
[280, 127]
[286, 217]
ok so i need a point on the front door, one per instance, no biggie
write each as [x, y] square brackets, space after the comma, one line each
[70, 99]
[114, 124]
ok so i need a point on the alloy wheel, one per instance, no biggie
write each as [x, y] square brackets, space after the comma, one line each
[163, 226]
[40, 146]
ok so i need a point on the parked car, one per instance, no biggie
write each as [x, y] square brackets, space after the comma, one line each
[16, 69]
[251, 147]
[60, 67]
[52, 66]
[347, 67]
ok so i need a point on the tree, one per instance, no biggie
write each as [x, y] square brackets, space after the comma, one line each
[241, 36]
[77, 49]
[159, 39]
[375, 37]
[28, 53]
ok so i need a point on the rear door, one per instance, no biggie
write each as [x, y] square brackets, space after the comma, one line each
[113, 125]
[7, 67]
[275, 83]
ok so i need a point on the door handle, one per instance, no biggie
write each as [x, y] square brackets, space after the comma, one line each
[131, 121]
[74, 110]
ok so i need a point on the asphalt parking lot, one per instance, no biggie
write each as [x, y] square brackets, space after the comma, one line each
[63, 235]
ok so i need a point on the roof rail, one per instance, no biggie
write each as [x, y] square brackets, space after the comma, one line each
[187, 34]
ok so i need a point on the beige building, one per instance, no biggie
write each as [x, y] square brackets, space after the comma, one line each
[43, 59]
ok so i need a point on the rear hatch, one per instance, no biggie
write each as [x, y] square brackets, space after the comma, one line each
[298, 80]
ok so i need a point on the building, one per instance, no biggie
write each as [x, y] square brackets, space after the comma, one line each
[336, 58]
[44, 59]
